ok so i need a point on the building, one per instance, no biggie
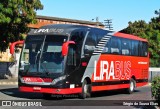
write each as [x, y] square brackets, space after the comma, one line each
[44, 20]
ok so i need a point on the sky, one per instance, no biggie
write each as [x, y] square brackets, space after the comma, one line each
[120, 11]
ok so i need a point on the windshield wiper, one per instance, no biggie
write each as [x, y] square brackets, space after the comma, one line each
[41, 53]
[36, 57]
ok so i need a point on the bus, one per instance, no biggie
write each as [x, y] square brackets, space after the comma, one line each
[75, 59]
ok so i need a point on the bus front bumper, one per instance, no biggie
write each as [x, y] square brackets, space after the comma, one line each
[51, 90]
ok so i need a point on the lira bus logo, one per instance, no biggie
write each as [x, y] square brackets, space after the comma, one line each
[112, 70]
[41, 31]
[54, 30]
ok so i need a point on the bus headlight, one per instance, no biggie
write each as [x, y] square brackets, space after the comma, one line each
[58, 79]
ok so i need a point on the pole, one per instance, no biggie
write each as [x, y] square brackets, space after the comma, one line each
[97, 21]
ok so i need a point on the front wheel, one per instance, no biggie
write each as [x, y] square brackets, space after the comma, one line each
[132, 85]
[86, 90]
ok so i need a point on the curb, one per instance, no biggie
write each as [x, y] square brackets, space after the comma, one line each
[12, 81]
[8, 83]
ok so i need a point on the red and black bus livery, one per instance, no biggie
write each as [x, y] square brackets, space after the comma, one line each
[71, 59]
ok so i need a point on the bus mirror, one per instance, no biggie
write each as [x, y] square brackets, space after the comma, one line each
[65, 47]
[12, 46]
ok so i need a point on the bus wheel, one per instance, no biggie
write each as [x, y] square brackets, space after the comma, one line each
[131, 86]
[47, 96]
[86, 90]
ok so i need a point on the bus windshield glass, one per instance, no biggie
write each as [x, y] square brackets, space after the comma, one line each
[43, 54]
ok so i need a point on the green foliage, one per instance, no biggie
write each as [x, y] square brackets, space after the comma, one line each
[155, 86]
[15, 15]
[151, 32]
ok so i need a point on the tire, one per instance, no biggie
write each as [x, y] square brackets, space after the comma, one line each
[132, 85]
[86, 90]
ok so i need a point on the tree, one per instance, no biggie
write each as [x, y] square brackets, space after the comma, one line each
[149, 31]
[135, 28]
[157, 12]
[15, 15]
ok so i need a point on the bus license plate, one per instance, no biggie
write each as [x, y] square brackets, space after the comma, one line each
[37, 88]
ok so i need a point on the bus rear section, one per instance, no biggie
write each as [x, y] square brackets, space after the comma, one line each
[117, 72]
[120, 61]
[72, 59]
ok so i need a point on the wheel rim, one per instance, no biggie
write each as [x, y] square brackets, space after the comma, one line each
[85, 88]
[131, 86]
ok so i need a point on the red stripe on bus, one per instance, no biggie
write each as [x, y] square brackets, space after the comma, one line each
[129, 36]
[51, 90]
[141, 84]
[109, 87]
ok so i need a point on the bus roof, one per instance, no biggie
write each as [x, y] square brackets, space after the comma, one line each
[62, 29]
[66, 29]
[129, 36]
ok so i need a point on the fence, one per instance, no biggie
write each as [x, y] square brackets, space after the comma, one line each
[153, 72]
[4, 69]
[10, 69]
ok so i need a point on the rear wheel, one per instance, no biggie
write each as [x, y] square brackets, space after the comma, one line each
[86, 90]
[132, 85]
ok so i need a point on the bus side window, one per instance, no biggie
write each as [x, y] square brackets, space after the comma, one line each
[134, 50]
[143, 49]
[107, 48]
[78, 37]
[71, 56]
[115, 45]
[126, 46]
[90, 44]
[99, 37]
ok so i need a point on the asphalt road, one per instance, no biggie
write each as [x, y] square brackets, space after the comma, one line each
[101, 100]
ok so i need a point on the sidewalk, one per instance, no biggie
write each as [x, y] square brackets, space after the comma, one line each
[12, 81]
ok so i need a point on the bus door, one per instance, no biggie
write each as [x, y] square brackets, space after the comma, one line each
[72, 58]
[73, 64]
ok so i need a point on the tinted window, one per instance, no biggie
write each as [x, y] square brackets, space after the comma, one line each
[90, 43]
[71, 56]
[126, 46]
[107, 48]
[134, 50]
[143, 49]
[78, 37]
[99, 34]
[115, 45]
[99, 37]
[91, 39]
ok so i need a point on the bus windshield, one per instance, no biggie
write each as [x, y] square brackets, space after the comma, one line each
[43, 54]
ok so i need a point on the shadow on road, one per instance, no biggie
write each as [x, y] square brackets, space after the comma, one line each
[110, 93]
[14, 92]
